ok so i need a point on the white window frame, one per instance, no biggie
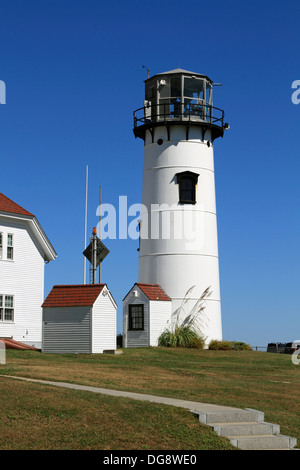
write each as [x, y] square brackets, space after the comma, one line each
[1, 245]
[10, 247]
[7, 305]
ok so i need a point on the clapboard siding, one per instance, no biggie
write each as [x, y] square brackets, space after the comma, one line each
[138, 338]
[24, 279]
[77, 329]
[104, 324]
[160, 315]
[67, 330]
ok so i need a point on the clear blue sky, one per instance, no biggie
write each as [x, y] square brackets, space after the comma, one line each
[73, 72]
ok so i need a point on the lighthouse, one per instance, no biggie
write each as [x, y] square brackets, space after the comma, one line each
[178, 247]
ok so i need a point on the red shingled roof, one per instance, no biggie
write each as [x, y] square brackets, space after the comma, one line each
[73, 295]
[153, 291]
[12, 344]
[7, 205]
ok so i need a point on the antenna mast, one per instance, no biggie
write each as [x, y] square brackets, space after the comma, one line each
[100, 191]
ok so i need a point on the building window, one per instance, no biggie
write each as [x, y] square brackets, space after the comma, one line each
[187, 182]
[136, 317]
[6, 308]
[1, 245]
[10, 248]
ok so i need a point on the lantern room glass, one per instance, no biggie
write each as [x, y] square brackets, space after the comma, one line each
[179, 96]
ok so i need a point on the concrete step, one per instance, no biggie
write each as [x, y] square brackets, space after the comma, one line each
[267, 442]
[232, 417]
[246, 429]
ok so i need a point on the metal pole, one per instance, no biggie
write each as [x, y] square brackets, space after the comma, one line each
[85, 223]
[100, 229]
[94, 254]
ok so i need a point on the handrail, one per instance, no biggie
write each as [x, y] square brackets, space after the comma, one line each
[178, 111]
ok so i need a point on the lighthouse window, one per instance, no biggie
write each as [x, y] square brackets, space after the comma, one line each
[136, 317]
[194, 97]
[187, 182]
[194, 89]
[170, 97]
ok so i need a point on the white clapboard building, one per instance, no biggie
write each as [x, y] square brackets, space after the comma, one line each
[79, 318]
[146, 313]
[24, 250]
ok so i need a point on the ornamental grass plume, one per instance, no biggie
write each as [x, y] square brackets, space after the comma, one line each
[186, 333]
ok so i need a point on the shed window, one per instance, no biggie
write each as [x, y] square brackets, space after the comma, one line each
[136, 317]
[187, 182]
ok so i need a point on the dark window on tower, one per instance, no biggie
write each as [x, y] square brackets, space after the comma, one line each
[136, 317]
[187, 182]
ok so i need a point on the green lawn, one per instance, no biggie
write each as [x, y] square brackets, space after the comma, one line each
[35, 416]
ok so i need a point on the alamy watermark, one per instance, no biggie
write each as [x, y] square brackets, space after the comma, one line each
[296, 94]
[160, 222]
[2, 92]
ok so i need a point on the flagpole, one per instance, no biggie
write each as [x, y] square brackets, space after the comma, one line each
[100, 229]
[85, 224]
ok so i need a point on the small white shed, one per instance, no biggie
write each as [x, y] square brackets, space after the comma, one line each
[79, 319]
[146, 313]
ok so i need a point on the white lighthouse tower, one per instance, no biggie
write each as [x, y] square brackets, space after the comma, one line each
[178, 232]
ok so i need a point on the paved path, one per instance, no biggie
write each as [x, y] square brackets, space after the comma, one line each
[190, 405]
[245, 429]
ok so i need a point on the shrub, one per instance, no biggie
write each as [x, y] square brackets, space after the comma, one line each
[197, 343]
[240, 346]
[228, 345]
[220, 345]
[181, 337]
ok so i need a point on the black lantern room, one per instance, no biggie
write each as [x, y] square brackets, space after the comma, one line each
[179, 97]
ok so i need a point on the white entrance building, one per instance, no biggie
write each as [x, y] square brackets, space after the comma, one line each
[146, 312]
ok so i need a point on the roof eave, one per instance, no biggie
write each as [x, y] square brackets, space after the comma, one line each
[182, 72]
[48, 251]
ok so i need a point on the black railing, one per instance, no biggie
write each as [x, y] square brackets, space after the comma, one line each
[170, 110]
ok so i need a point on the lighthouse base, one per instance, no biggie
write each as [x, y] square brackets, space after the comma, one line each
[204, 316]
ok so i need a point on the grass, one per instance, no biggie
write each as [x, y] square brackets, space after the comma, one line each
[35, 416]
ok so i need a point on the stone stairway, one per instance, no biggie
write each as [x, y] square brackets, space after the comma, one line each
[247, 430]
